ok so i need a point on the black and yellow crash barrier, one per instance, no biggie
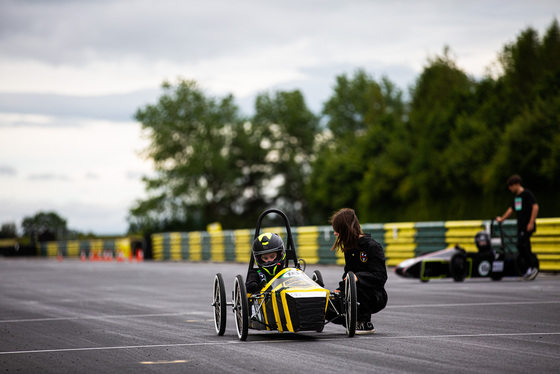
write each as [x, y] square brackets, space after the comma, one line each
[400, 241]
[94, 249]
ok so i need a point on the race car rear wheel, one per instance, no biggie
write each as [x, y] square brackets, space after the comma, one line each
[241, 308]
[317, 277]
[219, 304]
[458, 266]
[351, 301]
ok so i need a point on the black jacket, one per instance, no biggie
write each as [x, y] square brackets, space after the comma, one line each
[367, 262]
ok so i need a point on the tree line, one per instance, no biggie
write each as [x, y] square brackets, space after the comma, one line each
[444, 153]
[43, 226]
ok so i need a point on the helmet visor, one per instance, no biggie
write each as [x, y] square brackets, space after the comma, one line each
[268, 259]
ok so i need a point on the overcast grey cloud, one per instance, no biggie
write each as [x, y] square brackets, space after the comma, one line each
[48, 177]
[77, 31]
[74, 72]
[7, 170]
[218, 38]
[119, 107]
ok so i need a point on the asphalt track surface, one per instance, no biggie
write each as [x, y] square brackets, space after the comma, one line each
[109, 317]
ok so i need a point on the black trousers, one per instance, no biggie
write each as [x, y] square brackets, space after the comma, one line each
[370, 301]
[524, 247]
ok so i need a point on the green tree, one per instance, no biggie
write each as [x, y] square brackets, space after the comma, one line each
[388, 154]
[8, 230]
[528, 142]
[549, 86]
[443, 155]
[207, 158]
[287, 130]
[44, 226]
[522, 67]
[361, 116]
[441, 93]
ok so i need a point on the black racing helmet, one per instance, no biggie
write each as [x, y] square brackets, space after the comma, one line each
[482, 241]
[265, 245]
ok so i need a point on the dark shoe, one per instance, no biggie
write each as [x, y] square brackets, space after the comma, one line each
[364, 328]
[533, 274]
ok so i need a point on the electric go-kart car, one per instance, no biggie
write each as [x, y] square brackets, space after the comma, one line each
[495, 259]
[291, 301]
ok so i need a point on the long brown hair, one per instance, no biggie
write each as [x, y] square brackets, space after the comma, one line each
[346, 224]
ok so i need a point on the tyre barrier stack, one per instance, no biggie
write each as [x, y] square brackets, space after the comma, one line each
[400, 241]
[106, 250]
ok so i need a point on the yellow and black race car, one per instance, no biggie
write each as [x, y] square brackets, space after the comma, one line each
[290, 302]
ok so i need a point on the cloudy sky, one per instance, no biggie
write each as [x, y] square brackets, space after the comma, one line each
[72, 74]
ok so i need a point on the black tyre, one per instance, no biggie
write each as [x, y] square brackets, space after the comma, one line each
[351, 301]
[219, 304]
[458, 266]
[317, 277]
[241, 308]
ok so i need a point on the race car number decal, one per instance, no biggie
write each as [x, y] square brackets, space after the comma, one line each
[498, 266]
[291, 273]
[299, 282]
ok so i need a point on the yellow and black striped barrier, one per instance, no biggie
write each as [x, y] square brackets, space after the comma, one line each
[400, 241]
[93, 249]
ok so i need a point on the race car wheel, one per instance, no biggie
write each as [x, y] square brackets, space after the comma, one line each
[219, 304]
[458, 266]
[241, 308]
[351, 301]
[317, 277]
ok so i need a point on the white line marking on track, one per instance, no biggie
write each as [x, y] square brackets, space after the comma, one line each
[373, 336]
[474, 304]
[120, 347]
[94, 317]
[468, 335]
[164, 362]
[206, 320]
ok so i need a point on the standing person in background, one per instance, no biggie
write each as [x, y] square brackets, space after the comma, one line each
[526, 210]
[366, 259]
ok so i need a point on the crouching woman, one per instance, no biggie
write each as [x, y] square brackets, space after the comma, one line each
[365, 258]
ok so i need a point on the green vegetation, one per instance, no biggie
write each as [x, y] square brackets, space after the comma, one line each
[444, 154]
[44, 226]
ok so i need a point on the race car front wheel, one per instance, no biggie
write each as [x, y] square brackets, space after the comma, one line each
[351, 303]
[317, 277]
[241, 308]
[219, 304]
